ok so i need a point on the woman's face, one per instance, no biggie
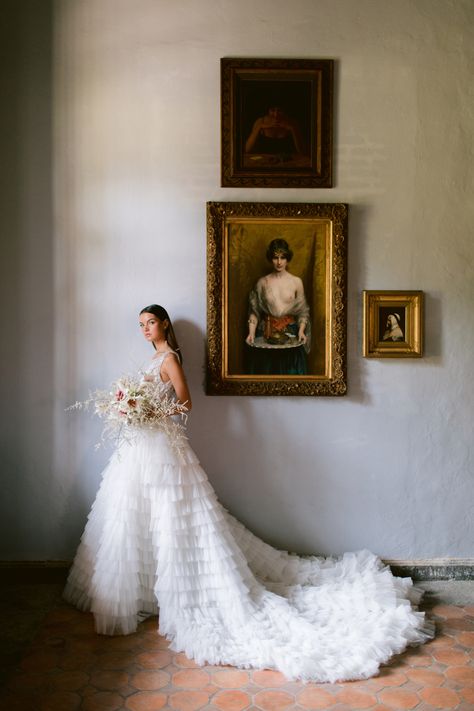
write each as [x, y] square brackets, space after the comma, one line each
[279, 262]
[275, 113]
[152, 328]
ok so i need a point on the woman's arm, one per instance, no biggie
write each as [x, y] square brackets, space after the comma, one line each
[171, 370]
[303, 314]
[295, 132]
[254, 311]
[252, 139]
[252, 328]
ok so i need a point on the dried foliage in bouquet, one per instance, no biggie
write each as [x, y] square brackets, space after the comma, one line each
[131, 405]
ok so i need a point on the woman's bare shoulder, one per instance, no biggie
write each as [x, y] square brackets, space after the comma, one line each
[262, 282]
[295, 279]
[171, 359]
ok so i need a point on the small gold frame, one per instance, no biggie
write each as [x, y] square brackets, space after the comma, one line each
[392, 324]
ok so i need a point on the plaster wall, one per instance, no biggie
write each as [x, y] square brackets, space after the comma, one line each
[136, 156]
[26, 282]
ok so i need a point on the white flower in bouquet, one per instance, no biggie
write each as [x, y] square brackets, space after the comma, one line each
[133, 404]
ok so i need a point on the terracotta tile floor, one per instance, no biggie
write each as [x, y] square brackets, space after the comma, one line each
[68, 667]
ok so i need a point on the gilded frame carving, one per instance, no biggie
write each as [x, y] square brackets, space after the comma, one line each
[238, 234]
[392, 324]
[291, 148]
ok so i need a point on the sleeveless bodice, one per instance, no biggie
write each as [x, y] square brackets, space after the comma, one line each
[154, 369]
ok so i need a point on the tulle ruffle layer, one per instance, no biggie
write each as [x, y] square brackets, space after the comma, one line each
[156, 534]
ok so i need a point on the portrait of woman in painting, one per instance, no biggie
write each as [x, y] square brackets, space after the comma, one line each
[279, 330]
[276, 128]
[393, 328]
[275, 134]
[276, 305]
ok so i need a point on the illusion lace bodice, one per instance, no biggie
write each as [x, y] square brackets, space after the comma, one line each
[154, 370]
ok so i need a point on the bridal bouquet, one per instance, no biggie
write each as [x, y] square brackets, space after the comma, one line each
[132, 404]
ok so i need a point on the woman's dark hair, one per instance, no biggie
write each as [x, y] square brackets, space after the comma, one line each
[162, 315]
[279, 246]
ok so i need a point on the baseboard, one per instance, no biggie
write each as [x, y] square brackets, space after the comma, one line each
[33, 572]
[55, 571]
[434, 568]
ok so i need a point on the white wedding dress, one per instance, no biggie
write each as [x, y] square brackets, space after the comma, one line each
[157, 539]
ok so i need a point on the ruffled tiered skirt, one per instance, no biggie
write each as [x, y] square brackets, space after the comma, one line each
[157, 536]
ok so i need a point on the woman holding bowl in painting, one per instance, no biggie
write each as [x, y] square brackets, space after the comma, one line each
[278, 324]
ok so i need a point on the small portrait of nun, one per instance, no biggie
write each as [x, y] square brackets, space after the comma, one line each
[393, 330]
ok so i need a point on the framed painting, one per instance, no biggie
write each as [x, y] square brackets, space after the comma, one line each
[276, 123]
[392, 324]
[276, 298]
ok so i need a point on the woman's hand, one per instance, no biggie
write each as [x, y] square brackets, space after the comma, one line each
[250, 339]
[302, 337]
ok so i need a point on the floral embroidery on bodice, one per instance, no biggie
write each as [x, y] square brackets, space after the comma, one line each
[154, 369]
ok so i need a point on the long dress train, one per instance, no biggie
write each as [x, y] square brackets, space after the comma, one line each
[157, 536]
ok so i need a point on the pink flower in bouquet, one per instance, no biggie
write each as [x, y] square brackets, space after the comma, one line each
[132, 404]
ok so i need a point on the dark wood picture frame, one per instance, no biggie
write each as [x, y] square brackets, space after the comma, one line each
[238, 237]
[276, 122]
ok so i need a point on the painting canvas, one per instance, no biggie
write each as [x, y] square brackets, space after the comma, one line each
[270, 331]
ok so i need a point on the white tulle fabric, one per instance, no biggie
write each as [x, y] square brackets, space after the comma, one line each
[158, 537]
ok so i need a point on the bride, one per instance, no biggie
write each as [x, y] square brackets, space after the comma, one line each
[158, 539]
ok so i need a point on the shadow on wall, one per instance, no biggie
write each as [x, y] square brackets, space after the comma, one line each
[433, 335]
[190, 338]
[357, 279]
[27, 284]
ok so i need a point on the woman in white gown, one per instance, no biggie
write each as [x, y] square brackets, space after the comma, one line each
[158, 539]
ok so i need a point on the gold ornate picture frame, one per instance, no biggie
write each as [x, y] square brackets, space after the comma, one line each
[276, 122]
[244, 292]
[392, 324]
